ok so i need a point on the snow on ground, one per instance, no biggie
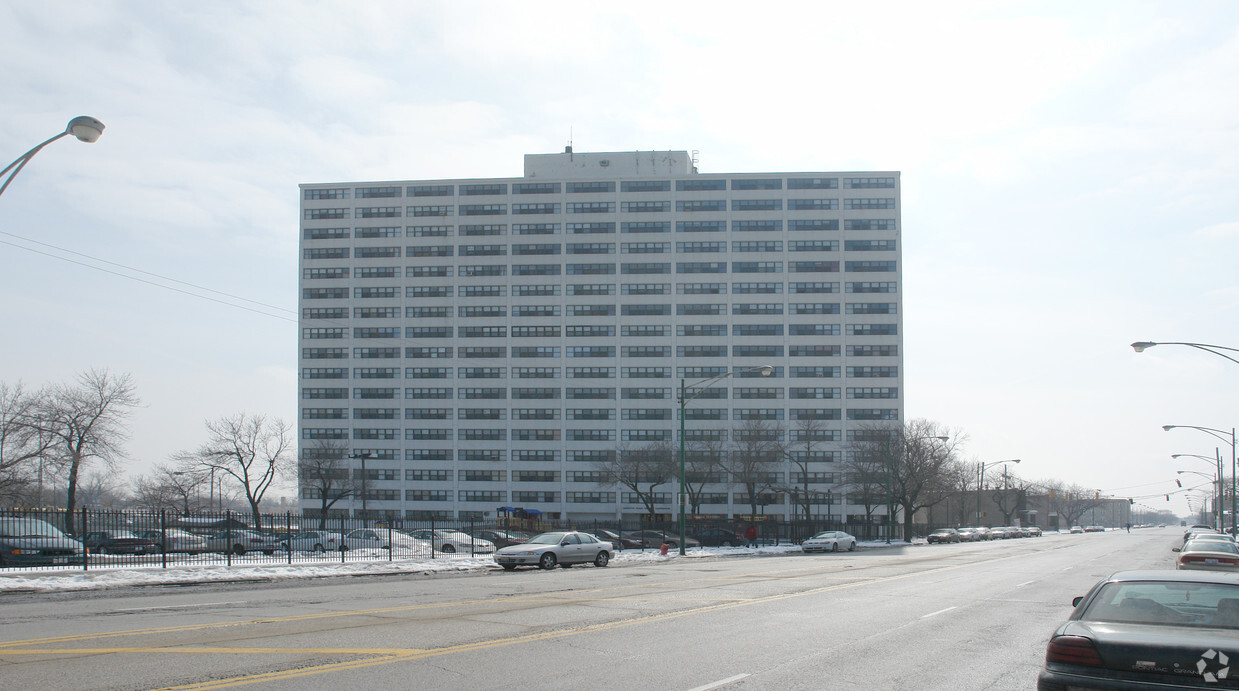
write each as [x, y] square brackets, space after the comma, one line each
[213, 569]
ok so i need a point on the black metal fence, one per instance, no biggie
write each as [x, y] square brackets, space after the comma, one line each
[90, 539]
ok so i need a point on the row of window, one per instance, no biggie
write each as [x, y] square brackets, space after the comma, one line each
[597, 227]
[597, 187]
[551, 249]
[554, 208]
[596, 331]
[553, 497]
[599, 351]
[696, 434]
[598, 393]
[594, 289]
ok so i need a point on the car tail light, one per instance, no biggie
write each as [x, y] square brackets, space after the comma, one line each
[1073, 650]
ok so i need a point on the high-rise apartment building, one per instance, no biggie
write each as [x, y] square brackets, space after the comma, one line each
[499, 342]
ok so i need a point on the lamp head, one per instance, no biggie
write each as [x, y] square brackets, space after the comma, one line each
[1168, 427]
[85, 128]
[767, 370]
[1140, 346]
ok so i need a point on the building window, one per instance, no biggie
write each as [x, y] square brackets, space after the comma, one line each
[701, 205]
[483, 209]
[888, 203]
[645, 227]
[598, 187]
[812, 204]
[813, 183]
[700, 226]
[757, 205]
[535, 188]
[591, 207]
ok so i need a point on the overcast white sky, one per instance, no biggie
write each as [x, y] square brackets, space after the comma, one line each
[1070, 176]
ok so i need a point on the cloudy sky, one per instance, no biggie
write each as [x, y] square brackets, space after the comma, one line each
[1069, 175]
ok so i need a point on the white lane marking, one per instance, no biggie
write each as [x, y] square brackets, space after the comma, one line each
[1021, 585]
[204, 604]
[720, 682]
[934, 614]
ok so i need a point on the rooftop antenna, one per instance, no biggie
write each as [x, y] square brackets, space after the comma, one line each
[568, 149]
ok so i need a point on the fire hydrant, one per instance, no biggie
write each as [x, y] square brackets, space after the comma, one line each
[663, 550]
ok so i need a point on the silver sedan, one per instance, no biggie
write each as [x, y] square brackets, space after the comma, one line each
[548, 549]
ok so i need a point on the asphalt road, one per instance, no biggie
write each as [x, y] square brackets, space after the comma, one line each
[970, 616]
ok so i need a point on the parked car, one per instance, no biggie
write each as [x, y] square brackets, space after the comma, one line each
[450, 541]
[657, 538]
[241, 541]
[1075, 529]
[502, 537]
[617, 541]
[548, 549]
[1094, 529]
[1034, 531]
[719, 537]
[984, 533]
[829, 541]
[175, 540]
[968, 534]
[314, 541]
[1208, 555]
[1146, 630]
[117, 542]
[943, 535]
[383, 538]
[33, 542]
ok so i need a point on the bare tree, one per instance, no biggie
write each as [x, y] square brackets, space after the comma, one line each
[171, 488]
[704, 464]
[961, 479]
[753, 463]
[800, 452]
[865, 466]
[916, 463]
[86, 422]
[22, 441]
[324, 474]
[1013, 496]
[253, 450]
[1071, 502]
[641, 470]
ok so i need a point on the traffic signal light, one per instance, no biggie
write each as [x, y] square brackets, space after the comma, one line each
[1167, 497]
[1131, 501]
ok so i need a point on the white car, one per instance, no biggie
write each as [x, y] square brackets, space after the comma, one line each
[548, 549]
[241, 541]
[449, 541]
[382, 538]
[829, 541]
[315, 541]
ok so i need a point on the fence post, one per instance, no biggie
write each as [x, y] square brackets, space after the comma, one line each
[85, 551]
[342, 532]
[228, 537]
[288, 534]
[391, 548]
[163, 537]
[432, 538]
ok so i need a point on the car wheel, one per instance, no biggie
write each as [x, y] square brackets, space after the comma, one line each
[101, 550]
[447, 549]
[852, 547]
[238, 550]
[547, 561]
[318, 548]
[602, 559]
[268, 552]
[508, 567]
[834, 547]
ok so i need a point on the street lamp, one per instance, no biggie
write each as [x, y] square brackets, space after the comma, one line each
[981, 481]
[1220, 502]
[362, 456]
[1234, 465]
[699, 388]
[1141, 346]
[84, 127]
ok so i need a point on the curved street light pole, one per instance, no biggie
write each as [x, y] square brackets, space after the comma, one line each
[84, 127]
[1140, 347]
[1216, 461]
[1234, 470]
[981, 482]
[699, 388]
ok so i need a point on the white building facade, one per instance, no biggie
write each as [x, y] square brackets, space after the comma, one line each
[491, 343]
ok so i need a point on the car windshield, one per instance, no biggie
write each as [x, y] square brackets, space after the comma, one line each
[546, 539]
[829, 533]
[1174, 603]
[27, 527]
